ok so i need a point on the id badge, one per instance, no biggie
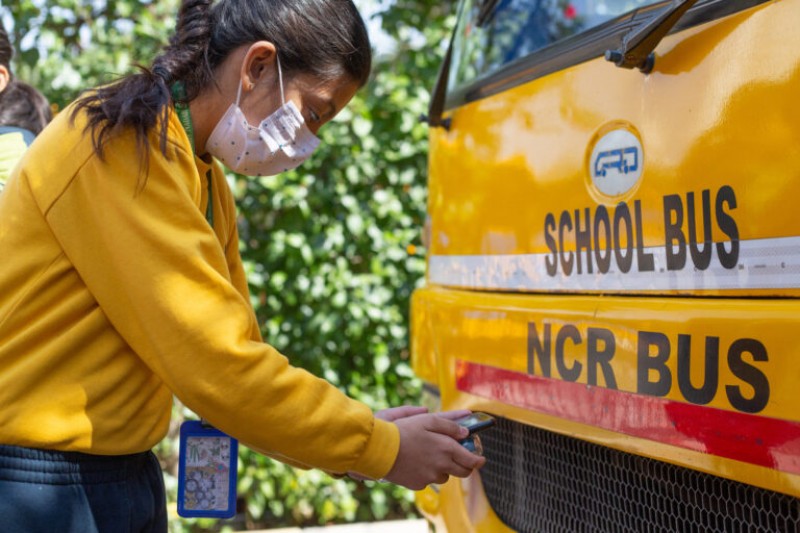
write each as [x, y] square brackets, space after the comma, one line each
[207, 468]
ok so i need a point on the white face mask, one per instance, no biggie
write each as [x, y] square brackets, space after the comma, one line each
[281, 142]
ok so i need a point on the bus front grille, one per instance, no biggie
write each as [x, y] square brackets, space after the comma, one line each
[539, 481]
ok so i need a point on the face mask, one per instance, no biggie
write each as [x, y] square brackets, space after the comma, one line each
[281, 142]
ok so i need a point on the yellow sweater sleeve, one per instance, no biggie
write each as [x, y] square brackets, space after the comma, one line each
[160, 275]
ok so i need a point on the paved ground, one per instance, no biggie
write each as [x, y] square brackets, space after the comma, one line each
[405, 526]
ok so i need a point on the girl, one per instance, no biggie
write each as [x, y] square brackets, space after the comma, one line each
[122, 283]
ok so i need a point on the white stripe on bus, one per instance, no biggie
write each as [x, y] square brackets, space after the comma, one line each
[763, 264]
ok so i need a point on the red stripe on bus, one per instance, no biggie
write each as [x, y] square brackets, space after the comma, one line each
[758, 440]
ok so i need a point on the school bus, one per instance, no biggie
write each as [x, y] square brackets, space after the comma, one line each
[613, 244]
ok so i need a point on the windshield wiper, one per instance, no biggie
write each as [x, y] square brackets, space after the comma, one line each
[638, 45]
[486, 11]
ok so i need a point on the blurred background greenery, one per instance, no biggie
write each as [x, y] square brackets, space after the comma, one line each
[332, 249]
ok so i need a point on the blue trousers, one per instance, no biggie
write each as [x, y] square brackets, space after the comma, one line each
[68, 492]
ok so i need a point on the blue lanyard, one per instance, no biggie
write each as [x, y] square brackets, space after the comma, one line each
[182, 108]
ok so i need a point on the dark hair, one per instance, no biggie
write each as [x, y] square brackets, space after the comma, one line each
[6, 50]
[6, 53]
[22, 106]
[325, 38]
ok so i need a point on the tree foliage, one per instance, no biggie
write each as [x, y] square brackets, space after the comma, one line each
[332, 249]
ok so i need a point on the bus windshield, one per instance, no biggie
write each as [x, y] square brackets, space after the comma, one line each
[491, 34]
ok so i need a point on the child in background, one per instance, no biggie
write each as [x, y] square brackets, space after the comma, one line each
[24, 112]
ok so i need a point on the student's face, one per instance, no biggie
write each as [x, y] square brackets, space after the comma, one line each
[319, 101]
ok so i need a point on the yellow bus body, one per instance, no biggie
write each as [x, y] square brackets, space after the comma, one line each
[653, 341]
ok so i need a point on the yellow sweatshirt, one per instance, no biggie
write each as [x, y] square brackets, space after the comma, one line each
[114, 297]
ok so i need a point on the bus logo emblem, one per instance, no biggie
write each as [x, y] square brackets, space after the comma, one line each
[625, 160]
[616, 162]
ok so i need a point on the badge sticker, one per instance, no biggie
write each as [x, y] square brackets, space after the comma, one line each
[207, 469]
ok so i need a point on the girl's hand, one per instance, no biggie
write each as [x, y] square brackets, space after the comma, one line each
[406, 470]
[430, 451]
[396, 413]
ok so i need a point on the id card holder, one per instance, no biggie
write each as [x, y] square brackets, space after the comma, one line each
[207, 468]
